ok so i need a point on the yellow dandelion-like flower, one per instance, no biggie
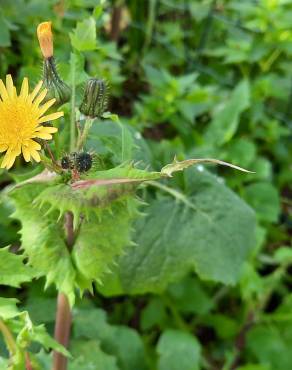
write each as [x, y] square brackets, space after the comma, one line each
[21, 117]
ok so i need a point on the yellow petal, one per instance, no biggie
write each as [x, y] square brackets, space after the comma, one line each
[9, 86]
[44, 135]
[8, 160]
[35, 155]
[36, 90]
[40, 98]
[24, 88]
[3, 147]
[51, 117]
[48, 129]
[5, 159]
[26, 153]
[45, 107]
[34, 145]
[3, 91]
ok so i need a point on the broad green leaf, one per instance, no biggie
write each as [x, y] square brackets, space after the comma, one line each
[208, 229]
[8, 308]
[178, 350]
[264, 198]
[271, 345]
[13, 271]
[88, 356]
[190, 297]
[120, 341]
[84, 36]
[225, 123]
[154, 314]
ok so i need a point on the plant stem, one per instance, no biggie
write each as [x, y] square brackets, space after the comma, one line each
[116, 21]
[62, 330]
[150, 23]
[63, 314]
[82, 138]
[28, 365]
[8, 337]
[72, 117]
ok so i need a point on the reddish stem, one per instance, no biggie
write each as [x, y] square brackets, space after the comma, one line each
[63, 314]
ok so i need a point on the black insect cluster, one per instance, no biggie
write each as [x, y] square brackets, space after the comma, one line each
[81, 162]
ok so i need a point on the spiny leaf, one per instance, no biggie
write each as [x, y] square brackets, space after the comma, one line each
[8, 308]
[13, 271]
[43, 240]
[101, 240]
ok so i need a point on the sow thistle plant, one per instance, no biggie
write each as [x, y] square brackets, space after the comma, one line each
[77, 212]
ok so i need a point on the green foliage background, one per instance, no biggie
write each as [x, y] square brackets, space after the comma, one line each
[188, 78]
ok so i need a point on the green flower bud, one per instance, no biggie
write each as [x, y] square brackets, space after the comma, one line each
[56, 87]
[95, 98]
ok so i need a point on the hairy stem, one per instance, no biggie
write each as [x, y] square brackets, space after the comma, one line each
[83, 136]
[63, 314]
[72, 117]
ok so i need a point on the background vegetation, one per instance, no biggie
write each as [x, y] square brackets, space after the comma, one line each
[193, 79]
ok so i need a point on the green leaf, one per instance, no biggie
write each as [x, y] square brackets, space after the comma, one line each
[13, 270]
[43, 240]
[209, 229]
[88, 355]
[101, 240]
[84, 36]
[271, 345]
[8, 308]
[264, 198]
[40, 335]
[225, 123]
[178, 350]
[120, 341]
[190, 297]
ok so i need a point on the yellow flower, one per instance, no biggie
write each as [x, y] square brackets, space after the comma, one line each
[21, 117]
[45, 37]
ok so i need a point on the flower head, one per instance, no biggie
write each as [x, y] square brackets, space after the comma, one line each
[95, 98]
[21, 117]
[45, 37]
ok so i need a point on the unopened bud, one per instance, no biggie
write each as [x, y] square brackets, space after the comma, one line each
[95, 98]
[56, 87]
[45, 37]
